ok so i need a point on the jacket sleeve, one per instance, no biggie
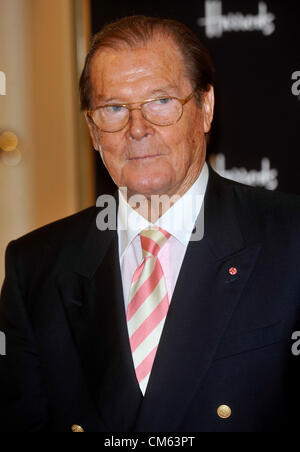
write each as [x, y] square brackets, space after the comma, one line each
[23, 406]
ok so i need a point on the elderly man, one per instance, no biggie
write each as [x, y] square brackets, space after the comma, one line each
[156, 324]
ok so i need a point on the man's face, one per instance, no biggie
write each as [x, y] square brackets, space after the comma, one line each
[145, 158]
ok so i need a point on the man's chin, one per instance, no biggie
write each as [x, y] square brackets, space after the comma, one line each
[147, 188]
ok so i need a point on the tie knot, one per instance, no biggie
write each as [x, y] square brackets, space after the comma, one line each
[153, 240]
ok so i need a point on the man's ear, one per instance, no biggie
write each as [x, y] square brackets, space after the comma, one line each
[208, 108]
[91, 130]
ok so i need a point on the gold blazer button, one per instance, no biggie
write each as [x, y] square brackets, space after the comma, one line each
[224, 411]
[77, 428]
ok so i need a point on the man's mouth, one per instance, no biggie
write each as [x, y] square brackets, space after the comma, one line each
[145, 157]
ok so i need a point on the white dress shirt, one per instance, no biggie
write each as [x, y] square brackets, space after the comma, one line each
[179, 220]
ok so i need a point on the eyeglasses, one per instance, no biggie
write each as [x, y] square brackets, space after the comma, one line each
[162, 111]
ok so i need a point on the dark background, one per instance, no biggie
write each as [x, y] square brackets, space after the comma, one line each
[256, 116]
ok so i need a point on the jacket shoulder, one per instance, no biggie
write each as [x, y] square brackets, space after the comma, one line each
[260, 198]
[64, 229]
[269, 203]
[49, 247]
[259, 209]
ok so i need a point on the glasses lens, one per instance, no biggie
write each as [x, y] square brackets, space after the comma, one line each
[110, 118]
[162, 112]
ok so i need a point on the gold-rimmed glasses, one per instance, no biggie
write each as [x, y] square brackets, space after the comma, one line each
[160, 111]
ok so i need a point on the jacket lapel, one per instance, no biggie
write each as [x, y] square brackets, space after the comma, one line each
[93, 299]
[203, 302]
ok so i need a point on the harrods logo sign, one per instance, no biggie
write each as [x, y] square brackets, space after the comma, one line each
[216, 23]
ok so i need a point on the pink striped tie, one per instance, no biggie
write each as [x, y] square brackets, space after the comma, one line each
[148, 305]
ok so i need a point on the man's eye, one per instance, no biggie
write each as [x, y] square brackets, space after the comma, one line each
[113, 108]
[163, 101]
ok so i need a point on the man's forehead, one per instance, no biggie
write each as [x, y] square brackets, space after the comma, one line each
[155, 53]
[158, 66]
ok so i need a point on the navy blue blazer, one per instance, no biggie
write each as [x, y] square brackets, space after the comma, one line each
[227, 339]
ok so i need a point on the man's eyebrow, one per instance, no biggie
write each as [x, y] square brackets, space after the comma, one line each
[165, 90]
[101, 98]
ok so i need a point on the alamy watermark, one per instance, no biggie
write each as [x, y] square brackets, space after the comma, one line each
[107, 217]
[296, 84]
[2, 84]
[2, 344]
[296, 344]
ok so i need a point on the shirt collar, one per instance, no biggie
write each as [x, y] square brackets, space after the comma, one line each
[178, 220]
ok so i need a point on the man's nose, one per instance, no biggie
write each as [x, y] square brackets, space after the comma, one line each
[139, 127]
